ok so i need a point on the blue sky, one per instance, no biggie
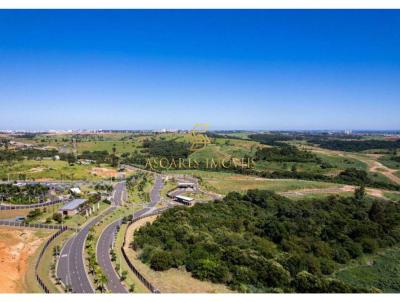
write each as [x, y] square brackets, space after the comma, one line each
[171, 69]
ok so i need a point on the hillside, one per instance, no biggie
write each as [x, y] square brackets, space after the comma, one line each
[262, 242]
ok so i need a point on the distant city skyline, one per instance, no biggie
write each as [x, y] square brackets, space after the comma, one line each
[240, 69]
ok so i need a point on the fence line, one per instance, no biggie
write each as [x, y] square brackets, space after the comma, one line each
[32, 225]
[143, 279]
[29, 206]
[38, 279]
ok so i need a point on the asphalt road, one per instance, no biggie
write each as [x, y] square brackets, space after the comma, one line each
[106, 238]
[103, 258]
[155, 191]
[71, 267]
[119, 193]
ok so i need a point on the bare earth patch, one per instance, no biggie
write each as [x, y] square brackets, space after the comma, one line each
[104, 172]
[16, 248]
[172, 280]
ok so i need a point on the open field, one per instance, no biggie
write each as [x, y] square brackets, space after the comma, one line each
[381, 271]
[120, 146]
[226, 148]
[223, 183]
[48, 169]
[172, 280]
[18, 252]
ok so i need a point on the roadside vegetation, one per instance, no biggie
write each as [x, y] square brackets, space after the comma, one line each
[139, 186]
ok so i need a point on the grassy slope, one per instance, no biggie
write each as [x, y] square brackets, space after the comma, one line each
[381, 271]
[385, 160]
[392, 196]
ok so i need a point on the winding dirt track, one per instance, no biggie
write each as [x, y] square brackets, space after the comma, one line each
[371, 160]
[376, 166]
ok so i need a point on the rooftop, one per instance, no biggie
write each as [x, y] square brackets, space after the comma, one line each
[72, 205]
[184, 197]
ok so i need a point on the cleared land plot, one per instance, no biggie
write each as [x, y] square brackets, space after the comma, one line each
[18, 251]
[172, 280]
[224, 183]
[13, 213]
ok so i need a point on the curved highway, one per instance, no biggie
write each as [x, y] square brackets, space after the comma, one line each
[71, 267]
[106, 240]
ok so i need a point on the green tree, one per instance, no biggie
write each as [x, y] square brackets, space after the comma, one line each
[359, 193]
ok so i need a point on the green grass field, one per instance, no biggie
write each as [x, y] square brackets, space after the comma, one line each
[47, 169]
[381, 271]
[392, 196]
[120, 146]
[223, 183]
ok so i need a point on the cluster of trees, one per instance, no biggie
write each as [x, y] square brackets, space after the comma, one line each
[286, 153]
[31, 153]
[395, 158]
[22, 194]
[360, 177]
[263, 242]
[166, 148]
[100, 157]
[275, 139]
[355, 145]
[137, 184]
[103, 187]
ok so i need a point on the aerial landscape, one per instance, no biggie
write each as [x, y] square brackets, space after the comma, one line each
[143, 153]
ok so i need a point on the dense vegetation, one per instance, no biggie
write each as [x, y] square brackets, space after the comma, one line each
[166, 148]
[260, 241]
[285, 153]
[275, 139]
[31, 153]
[356, 145]
[100, 157]
[10, 193]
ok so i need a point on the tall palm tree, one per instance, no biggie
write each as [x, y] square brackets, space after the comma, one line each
[102, 281]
